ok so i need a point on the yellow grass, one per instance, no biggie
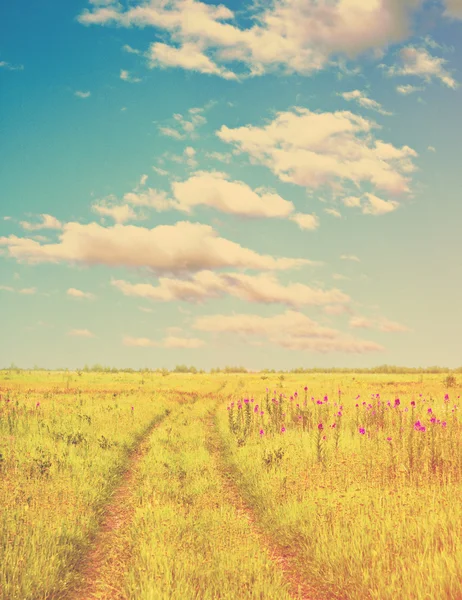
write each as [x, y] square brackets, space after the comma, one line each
[363, 516]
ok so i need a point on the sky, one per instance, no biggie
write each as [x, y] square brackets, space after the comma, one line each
[272, 184]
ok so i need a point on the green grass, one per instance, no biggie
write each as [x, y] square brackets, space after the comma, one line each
[366, 517]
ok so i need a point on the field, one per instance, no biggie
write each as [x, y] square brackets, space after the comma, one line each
[219, 486]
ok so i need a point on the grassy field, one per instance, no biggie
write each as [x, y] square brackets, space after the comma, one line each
[143, 486]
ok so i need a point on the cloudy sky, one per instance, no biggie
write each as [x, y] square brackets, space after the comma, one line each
[273, 183]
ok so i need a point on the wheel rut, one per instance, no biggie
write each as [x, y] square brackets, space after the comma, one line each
[284, 557]
[102, 569]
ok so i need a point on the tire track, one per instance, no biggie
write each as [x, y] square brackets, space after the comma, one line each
[101, 570]
[285, 557]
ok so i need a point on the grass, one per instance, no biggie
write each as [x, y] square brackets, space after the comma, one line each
[370, 514]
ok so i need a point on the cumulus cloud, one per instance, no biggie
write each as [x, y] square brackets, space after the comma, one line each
[189, 56]
[420, 63]
[81, 333]
[175, 248]
[125, 76]
[352, 201]
[312, 149]
[301, 36]
[232, 197]
[48, 222]
[80, 94]
[204, 285]
[120, 213]
[75, 293]
[407, 89]
[184, 127]
[377, 206]
[214, 189]
[363, 100]
[292, 330]
[305, 221]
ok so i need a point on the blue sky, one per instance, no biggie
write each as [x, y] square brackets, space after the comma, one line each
[269, 184]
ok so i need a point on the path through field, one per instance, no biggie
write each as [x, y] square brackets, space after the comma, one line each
[101, 569]
[219, 550]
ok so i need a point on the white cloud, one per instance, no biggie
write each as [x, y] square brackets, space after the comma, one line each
[431, 148]
[361, 323]
[81, 333]
[213, 189]
[305, 221]
[407, 89]
[339, 277]
[178, 342]
[224, 157]
[167, 342]
[120, 213]
[145, 309]
[391, 326]
[453, 9]
[125, 76]
[48, 222]
[28, 291]
[6, 288]
[363, 100]
[292, 330]
[377, 206]
[185, 127]
[189, 57]
[420, 63]
[301, 36]
[130, 50]
[9, 67]
[313, 149]
[159, 171]
[204, 285]
[80, 94]
[352, 201]
[350, 257]
[334, 212]
[336, 309]
[358, 322]
[75, 293]
[166, 248]
[232, 197]
[140, 342]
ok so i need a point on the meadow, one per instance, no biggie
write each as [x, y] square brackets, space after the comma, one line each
[223, 486]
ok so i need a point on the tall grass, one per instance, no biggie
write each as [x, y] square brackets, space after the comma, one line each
[61, 454]
[364, 486]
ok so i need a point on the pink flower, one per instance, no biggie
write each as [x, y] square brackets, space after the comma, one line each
[388, 439]
[305, 388]
[283, 429]
[320, 426]
[262, 432]
[362, 431]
